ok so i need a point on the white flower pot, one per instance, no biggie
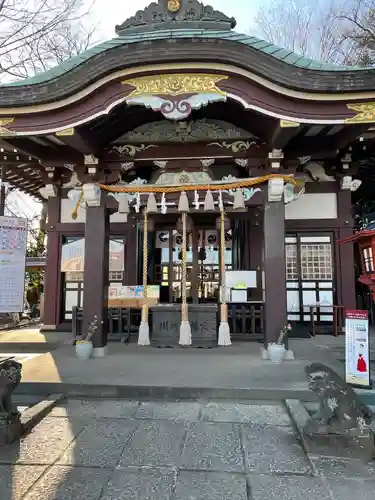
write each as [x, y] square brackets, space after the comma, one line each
[84, 350]
[276, 352]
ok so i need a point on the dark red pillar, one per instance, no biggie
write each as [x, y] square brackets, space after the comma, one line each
[274, 270]
[346, 293]
[52, 271]
[96, 274]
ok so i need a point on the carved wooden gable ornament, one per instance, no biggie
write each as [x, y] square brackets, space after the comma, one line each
[176, 14]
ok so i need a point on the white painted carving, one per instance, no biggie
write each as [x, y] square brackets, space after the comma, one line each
[48, 191]
[176, 109]
[91, 195]
[275, 190]
[317, 172]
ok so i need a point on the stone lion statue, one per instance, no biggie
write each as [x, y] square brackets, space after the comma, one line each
[10, 377]
[340, 409]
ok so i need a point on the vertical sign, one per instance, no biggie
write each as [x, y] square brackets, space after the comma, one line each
[13, 236]
[357, 358]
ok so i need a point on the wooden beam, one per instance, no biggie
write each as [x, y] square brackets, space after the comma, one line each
[283, 132]
[78, 141]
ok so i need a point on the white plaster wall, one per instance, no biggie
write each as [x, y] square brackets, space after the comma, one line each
[67, 207]
[313, 206]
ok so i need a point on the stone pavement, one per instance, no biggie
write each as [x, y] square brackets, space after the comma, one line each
[126, 450]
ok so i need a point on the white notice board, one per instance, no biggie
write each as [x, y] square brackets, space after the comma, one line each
[357, 349]
[241, 279]
[13, 238]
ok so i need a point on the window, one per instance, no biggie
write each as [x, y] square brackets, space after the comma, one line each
[316, 261]
[368, 260]
[291, 261]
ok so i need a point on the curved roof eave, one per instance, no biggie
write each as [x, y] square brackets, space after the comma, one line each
[308, 74]
[270, 49]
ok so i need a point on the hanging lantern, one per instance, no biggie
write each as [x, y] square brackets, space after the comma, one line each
[152, 207]
[227, 223]
[183, 204]
[239, 201]
[209, 202]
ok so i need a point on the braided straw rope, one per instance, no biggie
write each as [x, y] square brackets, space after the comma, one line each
[223, 307]
[145, 261]
[75, 211]
[184, 309]
[241, 183]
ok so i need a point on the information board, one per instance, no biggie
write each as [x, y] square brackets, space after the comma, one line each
[13, 239]
[357, 349]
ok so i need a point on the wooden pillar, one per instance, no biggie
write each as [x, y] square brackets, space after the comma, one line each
[345, 266]
[2, 189]
[52, 292]
[274, 268]
[96, 274]
[131, 254]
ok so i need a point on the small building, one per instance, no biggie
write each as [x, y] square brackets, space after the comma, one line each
[176, 99]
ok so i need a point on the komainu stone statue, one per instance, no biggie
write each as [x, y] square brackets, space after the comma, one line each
[340, 410]
[341, 425]
[10, 377]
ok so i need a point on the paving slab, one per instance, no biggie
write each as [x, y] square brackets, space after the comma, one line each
[16, 480]
[332, 467]
[351, 489]
[171, 411]
[273, 450]
[43, 445]
[96, 409]
[155, 443]
[213, 446]
[146, 483]
[273, 487]
[210, 486]
[68, 483]
[264, 414]
[100, 444]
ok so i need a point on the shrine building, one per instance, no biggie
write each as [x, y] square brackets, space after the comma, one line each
[178, 153]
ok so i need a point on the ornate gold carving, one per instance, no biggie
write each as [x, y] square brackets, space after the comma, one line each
[174, 85]
[186, 131]
[365, 112]
[236, 147]
[3, 123]
[65, 133]
[130, 150]
[288, 124]
[174, 5]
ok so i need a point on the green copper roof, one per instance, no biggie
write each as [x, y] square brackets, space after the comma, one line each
[266, 47]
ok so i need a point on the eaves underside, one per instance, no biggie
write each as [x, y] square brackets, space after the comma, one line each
[267, 60]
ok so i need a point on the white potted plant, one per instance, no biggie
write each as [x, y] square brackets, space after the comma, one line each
[276, 350]
[84, 346]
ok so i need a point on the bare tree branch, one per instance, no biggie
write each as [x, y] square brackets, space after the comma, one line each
[38, 34]
[335, 31]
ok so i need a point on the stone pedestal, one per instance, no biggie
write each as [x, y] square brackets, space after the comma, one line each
[166, 320]
[10, 428]
[359, 447]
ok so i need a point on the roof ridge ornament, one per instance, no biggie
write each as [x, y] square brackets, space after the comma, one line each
[176, 14]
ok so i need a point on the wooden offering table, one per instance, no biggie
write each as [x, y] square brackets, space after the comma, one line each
[166, 319]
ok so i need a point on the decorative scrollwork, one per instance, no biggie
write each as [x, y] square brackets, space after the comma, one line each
[132, 150]
[237, 146]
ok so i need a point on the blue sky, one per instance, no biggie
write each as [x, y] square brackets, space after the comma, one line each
[108, 13]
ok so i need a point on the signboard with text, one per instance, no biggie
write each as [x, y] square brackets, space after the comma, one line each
[13, 240]
[357, 350]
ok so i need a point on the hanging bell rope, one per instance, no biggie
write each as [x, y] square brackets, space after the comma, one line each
[224, 331]
[144, 329]
[185, 328]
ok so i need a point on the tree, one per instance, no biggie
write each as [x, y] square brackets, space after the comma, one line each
[334, 31]
[38, 34]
